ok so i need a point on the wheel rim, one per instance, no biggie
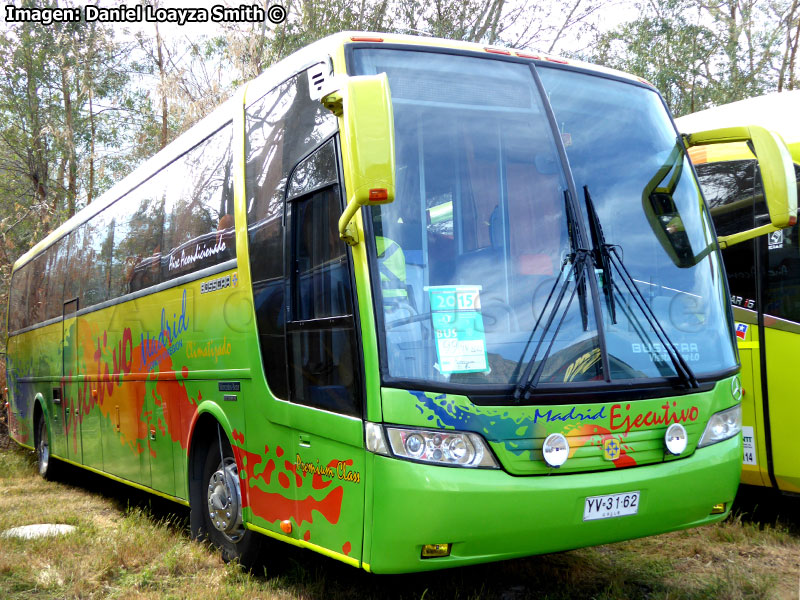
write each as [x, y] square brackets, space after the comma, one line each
[43, 449]
[224, 500]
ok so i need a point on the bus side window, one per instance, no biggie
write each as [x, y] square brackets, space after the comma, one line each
[321, 327]
[138, 222]
[782, 294]
[730, 188]
[198, 228]
[18, 313]
[95, 258]
[37, 290]
[56, 268]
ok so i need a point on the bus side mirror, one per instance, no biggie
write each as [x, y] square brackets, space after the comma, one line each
[366, 124]
[777, 175]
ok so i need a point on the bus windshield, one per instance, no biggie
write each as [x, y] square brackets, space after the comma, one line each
[476, 264]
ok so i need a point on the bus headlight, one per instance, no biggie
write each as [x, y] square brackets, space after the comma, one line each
[452, 448]
[722, 426]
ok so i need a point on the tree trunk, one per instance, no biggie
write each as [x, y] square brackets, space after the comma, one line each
[72, 168]
[163, 76]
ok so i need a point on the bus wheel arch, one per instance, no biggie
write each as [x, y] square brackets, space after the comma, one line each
[215, 494]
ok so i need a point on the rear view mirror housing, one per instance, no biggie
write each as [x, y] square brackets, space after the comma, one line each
[777, 175]
[363, 105]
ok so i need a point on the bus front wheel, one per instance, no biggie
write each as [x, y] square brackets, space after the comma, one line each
[220, 502]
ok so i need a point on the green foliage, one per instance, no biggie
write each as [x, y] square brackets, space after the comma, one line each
[701, 54]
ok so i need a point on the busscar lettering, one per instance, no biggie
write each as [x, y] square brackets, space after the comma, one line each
[619, 419]
[214, 285]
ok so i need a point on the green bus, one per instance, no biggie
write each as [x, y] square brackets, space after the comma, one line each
[407, 302]
[764, 280]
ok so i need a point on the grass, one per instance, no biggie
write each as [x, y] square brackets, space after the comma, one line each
[131, 545]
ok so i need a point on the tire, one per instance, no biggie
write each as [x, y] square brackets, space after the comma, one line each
[219, 502]
[46, 464]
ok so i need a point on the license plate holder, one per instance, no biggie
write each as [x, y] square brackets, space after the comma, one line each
[610, 506]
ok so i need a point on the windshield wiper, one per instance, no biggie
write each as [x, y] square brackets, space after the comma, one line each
[601, 256]
[682, 368]
[577, 272]
[609, 259]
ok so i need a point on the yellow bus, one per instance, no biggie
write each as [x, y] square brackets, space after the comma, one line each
[764, 280]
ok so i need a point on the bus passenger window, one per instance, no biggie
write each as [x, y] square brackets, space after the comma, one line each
[56, 267]
[198, 229]
[18, 300]
[138, 221]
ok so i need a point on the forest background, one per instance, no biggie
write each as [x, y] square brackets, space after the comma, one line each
[82, 104]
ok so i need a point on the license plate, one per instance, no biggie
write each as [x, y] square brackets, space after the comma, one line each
[610, 506]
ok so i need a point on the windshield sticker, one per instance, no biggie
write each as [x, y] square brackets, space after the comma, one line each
[458, 328]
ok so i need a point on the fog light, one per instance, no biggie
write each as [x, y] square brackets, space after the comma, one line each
[435, 550]
[675, 439]
[719, 508]
[555, 450]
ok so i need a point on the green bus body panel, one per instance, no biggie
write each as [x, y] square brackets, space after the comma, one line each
[491, 515]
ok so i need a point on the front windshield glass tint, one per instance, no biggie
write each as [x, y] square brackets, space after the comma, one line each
[478, 238]
[622, 148]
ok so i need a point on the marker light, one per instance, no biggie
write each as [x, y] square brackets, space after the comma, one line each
[718, 508]
[452, 448]
[722, 426]
[378, 195]
[555, 450]
[676, 439]
[375, 440]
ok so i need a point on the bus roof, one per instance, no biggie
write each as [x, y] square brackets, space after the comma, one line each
[777, 112]
[319, 51]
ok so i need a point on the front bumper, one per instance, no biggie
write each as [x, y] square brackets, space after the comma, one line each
[490, 515]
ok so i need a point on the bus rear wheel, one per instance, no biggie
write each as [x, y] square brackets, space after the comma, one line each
[220, 503]
[47, 467]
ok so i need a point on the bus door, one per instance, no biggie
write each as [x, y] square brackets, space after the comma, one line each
[69, 386]
[325, 381]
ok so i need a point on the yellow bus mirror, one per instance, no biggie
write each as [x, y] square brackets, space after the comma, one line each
[366, 124]
[777, 175]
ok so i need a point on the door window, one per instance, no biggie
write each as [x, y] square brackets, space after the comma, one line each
[321, 327]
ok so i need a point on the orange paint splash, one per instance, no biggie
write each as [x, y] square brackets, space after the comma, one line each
[274, 507]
